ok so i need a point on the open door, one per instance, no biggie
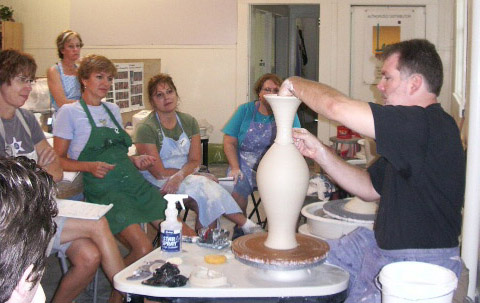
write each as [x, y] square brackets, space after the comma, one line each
[262, 46]
[284, 39]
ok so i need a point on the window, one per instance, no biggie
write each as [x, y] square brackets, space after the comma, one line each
[460, 54]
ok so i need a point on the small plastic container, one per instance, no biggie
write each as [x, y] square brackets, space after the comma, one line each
[344, 132]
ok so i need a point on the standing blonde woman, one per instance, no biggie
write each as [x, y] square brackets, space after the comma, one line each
[62, 77]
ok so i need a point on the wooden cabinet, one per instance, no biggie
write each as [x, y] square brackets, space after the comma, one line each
[12, 35]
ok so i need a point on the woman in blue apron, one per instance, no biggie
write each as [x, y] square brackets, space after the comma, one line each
[89, 138]
[248, 135]
[173, 138]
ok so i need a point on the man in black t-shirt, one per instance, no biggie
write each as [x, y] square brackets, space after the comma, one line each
[419, 177]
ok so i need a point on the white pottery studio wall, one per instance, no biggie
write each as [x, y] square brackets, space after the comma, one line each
[208, 61]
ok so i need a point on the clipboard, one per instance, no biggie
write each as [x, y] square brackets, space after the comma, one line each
[81, 210]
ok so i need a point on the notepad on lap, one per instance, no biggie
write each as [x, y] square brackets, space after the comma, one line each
[70, 176]
[81, 210]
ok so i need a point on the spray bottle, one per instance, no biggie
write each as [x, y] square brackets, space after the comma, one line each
[171, 229]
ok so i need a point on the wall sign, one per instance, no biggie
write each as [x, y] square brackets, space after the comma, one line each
[127, 88]
[373, 28]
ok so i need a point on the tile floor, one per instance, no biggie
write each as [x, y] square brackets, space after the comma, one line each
[53, 273]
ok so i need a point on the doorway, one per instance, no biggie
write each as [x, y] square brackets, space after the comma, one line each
[284, 39]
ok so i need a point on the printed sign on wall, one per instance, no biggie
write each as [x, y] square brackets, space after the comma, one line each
[373, 28]
[127, 87]
[381, 37]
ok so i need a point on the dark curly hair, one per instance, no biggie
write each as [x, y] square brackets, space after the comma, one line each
[27, 209]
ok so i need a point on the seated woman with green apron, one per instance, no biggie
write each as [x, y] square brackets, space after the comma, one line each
[89, 137]
[173, 138]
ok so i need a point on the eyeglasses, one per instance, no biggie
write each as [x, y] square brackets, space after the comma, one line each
[270, 90]
[26, 80]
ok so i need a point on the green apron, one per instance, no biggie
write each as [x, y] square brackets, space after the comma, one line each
[134, 199]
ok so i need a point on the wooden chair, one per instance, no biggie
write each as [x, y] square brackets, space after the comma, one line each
[256, 211]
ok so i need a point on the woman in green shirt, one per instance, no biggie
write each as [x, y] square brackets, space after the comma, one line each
[173, 138]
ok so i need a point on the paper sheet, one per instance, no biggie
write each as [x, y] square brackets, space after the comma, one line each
[81, 210]
[69, 176]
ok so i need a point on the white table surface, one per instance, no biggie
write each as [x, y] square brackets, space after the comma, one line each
[243, 280]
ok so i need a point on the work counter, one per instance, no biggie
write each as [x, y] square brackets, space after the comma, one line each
[322, 283]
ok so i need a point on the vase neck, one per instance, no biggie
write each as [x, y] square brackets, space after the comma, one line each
[284, 111]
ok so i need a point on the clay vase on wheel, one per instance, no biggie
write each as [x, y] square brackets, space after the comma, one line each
[282, 177]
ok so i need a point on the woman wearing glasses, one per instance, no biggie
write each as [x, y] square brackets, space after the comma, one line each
[248, 135]
[21, 135]
[86, 243]
[62, 77]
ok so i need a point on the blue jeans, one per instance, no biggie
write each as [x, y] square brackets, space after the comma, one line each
[359, 254]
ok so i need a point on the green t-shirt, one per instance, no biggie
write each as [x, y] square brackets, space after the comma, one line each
[148, 131]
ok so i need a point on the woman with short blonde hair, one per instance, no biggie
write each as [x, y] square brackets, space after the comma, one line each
[62, 77]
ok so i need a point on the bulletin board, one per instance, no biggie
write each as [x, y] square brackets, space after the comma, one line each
[151, 67]
[126, 90]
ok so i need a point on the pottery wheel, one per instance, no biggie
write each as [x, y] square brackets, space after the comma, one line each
[336, 209]
[250, 250]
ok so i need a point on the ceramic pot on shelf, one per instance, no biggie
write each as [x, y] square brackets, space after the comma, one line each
[282, 177]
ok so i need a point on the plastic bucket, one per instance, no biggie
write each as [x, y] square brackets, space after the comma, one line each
[402, 282]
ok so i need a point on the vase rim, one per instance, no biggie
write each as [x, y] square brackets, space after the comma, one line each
[280, 97]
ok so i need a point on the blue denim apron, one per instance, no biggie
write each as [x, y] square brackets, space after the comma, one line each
[257, 141]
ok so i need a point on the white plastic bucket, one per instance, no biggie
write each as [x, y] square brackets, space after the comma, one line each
[404, 282]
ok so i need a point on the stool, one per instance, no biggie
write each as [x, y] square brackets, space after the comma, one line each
[185, 215]
[351, 144]
[64, 265]
[204, 142]
[255, 211]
